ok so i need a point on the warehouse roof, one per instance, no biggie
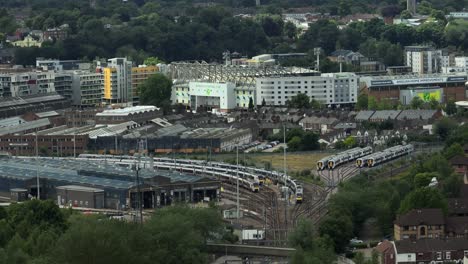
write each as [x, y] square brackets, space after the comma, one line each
[18, 169]
[47, 114]
[110, 130]
[13, 121]
[98, 169]
[128, 110]
[24, 126]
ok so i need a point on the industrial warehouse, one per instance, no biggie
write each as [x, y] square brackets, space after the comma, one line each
[92, 184]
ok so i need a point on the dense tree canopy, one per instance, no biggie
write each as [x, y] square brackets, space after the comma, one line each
[39, 232]
[156, 90]
[177, 30]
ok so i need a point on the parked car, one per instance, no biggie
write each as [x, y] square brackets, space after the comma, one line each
[355, 241]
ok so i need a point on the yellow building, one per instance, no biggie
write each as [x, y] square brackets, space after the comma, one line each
[27, 42]
[139, 75]
[117, 81]
[109, 83]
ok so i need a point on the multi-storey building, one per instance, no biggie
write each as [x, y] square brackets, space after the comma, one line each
[139, 75]
[27, 83]
[61, 65]
[118, 81]
[329, 88]
[423, 59]
[462, 62]
[63, 84]
[441, 87]
[87, 88]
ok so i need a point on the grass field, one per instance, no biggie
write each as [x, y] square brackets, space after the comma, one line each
[294, 161]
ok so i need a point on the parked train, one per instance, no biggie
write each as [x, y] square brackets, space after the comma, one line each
[332, 162]
[384, 156]
[250, 178]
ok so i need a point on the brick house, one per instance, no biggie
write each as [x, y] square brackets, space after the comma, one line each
[429, 251]
[419, 224]
[459, 164]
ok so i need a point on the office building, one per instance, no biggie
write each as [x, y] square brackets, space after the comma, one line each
[328, 89]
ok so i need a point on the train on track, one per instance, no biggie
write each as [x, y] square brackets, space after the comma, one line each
[249, 178]
[331, 162]
[380, 157]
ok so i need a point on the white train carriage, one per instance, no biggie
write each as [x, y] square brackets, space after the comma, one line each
[389, 154]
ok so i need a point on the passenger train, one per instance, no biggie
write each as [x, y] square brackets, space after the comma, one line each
[250, 178]
[331, 162]
[378, 158]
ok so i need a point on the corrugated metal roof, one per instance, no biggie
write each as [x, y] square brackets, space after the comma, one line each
[24, 126]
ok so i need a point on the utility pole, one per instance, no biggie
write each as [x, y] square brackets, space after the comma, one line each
[37, 170]
[74, 145]
[286, 190]
[115, 143]
[237, 180]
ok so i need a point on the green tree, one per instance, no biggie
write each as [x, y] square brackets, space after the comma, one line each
[350, 142]
[295, 143]
[444, 127]
[299, 101]
[263, 102]
[251, 104]
[372, 103]
[156, 90]
[423, 179]
[309, 247]
[450, 107]
[309, 141]
[454, 150]
[405, 14]
[152, 61]
[416, 103]
[290, 30]
[423, 198]
[314, 104]
[362, 102]
[339, 227]
[451, 186]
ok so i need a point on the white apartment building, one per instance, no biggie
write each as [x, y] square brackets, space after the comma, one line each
[87, 88]
[27, 83]
[425, 59]
[328, 88]
[461, 62]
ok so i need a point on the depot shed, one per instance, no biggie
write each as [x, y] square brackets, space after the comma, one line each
[80, 196]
